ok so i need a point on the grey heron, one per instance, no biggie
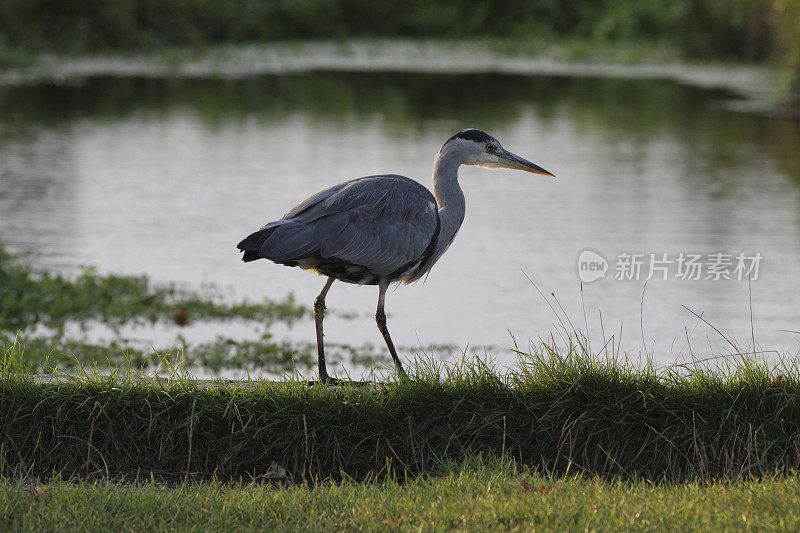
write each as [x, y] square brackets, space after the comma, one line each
[381, 229]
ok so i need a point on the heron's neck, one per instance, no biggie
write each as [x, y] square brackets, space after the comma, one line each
[449, 197]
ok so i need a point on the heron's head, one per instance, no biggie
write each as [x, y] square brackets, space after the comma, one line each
[477, 148]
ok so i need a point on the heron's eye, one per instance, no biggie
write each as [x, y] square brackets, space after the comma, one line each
[490, 147]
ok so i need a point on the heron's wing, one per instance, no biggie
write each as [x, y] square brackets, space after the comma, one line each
[315, 199]
[383, 223]
[307, 210]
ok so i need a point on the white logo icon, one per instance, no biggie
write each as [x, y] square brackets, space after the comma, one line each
[591, 266]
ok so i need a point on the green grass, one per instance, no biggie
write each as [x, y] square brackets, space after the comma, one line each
[479, 495]
[556, 412]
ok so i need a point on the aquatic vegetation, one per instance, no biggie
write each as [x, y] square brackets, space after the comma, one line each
[31, 298]
[263, 355]
[36, 309]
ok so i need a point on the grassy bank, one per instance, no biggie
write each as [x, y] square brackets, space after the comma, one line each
[559, 441]
[558, 411]
[477, 496]
[554, 413]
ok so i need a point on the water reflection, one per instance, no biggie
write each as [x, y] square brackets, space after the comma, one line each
[165, 175]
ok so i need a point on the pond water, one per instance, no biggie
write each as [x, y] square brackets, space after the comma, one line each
[165, 175]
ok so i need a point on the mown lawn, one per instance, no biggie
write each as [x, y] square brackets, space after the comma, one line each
[477, 496]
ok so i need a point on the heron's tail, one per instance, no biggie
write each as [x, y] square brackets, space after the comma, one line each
[251, 245]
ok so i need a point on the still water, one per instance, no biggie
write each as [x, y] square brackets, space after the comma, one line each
[165, 176]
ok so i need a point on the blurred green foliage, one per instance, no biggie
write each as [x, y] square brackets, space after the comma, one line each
[741, 29]
[786, 20]
[752, 30]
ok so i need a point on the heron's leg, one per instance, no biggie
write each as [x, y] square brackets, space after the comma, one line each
[319, 315]
[380, 318]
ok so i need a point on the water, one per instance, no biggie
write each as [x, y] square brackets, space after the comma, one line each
[164, 176]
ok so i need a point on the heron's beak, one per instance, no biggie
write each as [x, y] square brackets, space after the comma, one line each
[510, 160]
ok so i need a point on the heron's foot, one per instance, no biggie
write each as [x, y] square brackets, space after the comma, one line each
[328, 380]
[325, 379]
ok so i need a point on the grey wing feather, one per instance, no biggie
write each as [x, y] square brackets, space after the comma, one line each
[314, 199]
[383, 223]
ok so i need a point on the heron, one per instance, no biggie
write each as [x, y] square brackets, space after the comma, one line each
[381, 229]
